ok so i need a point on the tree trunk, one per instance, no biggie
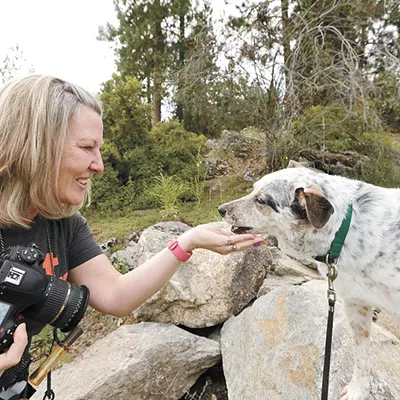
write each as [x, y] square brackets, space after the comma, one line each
[182, 47]
[157, 59]
[286, 39]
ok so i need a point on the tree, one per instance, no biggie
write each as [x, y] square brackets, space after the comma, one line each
[150, 43]
[197, 75]
[310, 53]
[126, 121]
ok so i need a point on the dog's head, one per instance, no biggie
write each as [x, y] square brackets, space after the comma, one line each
[288, 204]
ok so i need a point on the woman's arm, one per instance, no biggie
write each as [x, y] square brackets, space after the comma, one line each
[117, 294]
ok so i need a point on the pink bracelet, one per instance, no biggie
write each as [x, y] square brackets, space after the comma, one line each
[179, 253]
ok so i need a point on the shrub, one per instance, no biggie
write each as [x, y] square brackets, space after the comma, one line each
[167, 191]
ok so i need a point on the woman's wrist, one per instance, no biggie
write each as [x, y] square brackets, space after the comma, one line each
[186, 241]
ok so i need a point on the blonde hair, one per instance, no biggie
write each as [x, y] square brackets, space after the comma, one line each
[35, 112]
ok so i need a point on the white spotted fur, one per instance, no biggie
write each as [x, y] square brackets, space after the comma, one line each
[369, 264]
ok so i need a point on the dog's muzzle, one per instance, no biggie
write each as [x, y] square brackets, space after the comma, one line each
[234, 228]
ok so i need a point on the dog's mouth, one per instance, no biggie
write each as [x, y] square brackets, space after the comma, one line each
[240, 229]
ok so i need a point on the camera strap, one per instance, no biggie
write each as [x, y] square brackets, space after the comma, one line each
[23, 366]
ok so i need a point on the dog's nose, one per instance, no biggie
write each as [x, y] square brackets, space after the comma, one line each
[222, 211]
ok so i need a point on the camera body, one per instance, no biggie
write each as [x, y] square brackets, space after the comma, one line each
[26, 291]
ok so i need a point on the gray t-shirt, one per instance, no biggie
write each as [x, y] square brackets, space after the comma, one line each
[71, 241]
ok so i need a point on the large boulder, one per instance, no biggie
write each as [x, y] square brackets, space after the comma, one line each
[146, 361]
[207, 289]
[278, 344]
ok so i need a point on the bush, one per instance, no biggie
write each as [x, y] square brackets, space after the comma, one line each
[333, 129]
[167, 191]
[168, 149]
[179, 152]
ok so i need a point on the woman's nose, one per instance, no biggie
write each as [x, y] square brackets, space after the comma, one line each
[97, 164]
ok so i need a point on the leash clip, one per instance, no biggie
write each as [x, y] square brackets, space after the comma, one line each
[332, 269]
[332, 275]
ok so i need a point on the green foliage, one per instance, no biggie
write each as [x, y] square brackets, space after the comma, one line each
[336, 129]
[329, 93]
[120, 264]
[167, 191]
[121, 224]
[216, 192]
[126, 142]
[153, 40]
[104, 188]
[381, 171]
[333, 129]
[41, 344]
[126, 119]
[177, 149]
[169, 149]
[142, 49]
[386, 99]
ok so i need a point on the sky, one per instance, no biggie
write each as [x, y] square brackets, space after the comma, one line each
[58, 37]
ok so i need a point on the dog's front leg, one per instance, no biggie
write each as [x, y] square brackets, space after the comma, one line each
[360, 319]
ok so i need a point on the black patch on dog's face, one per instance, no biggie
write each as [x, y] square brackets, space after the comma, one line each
[266, 199]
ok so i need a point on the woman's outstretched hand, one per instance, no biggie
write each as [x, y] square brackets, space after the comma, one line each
[13, 355]
[217, 239]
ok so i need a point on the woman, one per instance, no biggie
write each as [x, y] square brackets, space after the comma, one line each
[51, 134]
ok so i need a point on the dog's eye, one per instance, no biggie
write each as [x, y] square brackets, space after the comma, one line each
[268, 201]
[260, 200]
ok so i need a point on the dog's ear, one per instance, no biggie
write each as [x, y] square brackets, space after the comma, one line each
[297, 164]
[318, 209]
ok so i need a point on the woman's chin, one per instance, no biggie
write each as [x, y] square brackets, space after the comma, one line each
[75, 201]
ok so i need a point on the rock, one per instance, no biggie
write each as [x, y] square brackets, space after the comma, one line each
[207, 289]
[129, 255]
[108, 245]
[145, 361]
[235, 151]
[278, 343]
[283, 265]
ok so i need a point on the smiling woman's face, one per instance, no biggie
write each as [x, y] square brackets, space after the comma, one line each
[81, 157]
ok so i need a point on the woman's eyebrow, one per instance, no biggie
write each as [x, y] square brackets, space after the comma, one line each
[94, 141]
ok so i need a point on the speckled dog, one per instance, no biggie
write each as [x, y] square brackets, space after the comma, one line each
[303, 209]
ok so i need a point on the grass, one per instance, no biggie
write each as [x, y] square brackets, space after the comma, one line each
[106, 226]
[217, 191]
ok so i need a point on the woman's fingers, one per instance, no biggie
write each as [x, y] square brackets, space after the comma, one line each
[223, 241]
[242, 243]
[247, 243]
[244, 237]
[14, 354]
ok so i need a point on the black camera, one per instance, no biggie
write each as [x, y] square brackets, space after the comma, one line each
[26, 291]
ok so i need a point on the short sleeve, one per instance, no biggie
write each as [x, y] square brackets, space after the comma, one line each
[82, 246]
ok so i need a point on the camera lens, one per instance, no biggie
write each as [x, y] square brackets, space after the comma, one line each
[63, 307]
